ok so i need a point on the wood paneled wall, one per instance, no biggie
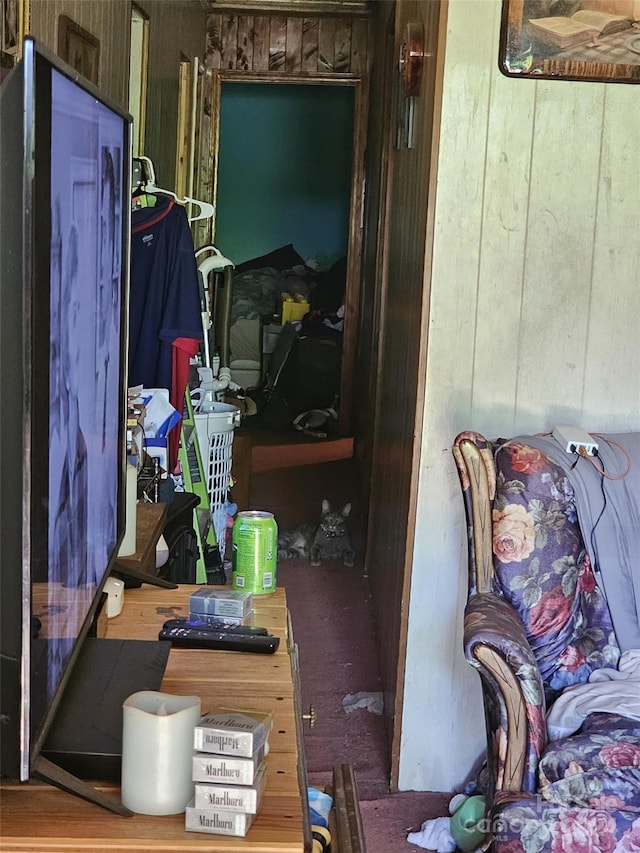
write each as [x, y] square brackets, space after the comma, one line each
[402, 342]
[288, 44]
[108, 22]
[176, 30]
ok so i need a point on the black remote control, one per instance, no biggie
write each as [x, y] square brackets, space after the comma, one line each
[193, 638]
[216, 627]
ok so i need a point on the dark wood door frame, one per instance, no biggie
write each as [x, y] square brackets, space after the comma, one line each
[356, 206]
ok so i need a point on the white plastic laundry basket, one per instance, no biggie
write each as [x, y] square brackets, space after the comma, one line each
[215, 436]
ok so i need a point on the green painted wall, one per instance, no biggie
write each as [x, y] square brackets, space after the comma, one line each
[284, 170]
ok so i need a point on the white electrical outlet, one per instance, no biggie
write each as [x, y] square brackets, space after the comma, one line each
[573, 439]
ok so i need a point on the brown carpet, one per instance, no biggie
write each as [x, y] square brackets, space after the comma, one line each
[333, 630]
[387, 821]
[333, 626]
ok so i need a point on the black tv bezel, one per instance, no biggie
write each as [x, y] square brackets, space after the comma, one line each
[35, 68]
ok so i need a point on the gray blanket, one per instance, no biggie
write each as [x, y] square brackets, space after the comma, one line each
[608, 691]
[609, 518]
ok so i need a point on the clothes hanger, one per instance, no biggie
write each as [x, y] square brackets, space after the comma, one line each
[141, 169]
[149, 187]
[206, 209]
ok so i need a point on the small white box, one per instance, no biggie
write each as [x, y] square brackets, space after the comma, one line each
[230, 731]
[574, 439]
[226, 770]
[216, 821]
[215, 620]
[235, 798]
[220, 602]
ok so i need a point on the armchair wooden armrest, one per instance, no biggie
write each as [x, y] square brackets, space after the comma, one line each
[474, 460]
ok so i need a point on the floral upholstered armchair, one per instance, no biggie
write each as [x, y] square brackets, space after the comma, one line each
[536, 622]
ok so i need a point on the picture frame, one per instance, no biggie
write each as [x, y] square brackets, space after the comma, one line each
[537, 43]
[14, 24]
[79, 48]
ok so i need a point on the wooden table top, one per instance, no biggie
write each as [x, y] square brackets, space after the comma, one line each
[37, 817]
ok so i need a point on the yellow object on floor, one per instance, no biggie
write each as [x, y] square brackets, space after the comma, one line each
[293, 309]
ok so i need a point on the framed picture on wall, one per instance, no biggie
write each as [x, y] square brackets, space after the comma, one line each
[592, 40]
[79, 48]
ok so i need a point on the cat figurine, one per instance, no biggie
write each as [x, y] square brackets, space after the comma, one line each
[328, 540]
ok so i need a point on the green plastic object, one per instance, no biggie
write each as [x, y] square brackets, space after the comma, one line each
[467, 823]
[192, 468]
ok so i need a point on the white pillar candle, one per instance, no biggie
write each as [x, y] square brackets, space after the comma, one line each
[157, 750]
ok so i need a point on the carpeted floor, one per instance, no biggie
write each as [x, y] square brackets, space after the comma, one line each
[387, 821]
[331, 625]
[335, 633]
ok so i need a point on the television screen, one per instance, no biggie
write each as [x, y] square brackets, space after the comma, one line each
[64, 224]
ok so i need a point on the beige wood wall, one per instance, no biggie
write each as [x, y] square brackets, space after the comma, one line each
[532, 321]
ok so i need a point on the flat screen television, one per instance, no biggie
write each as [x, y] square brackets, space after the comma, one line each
[65, 165]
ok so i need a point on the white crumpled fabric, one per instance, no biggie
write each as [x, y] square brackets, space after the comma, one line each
[434, 835]
[372, 702]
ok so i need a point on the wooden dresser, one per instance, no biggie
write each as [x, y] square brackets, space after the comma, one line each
[37, 817]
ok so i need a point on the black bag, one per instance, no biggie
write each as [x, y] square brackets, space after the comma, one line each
[304, 373]
[181, 539]
[183, 556]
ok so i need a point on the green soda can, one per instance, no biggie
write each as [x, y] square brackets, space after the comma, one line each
[255, 548]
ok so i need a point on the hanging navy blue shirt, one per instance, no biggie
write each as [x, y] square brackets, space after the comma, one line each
[164, 301]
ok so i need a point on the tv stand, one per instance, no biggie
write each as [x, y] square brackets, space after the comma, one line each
[38, 816]
[129, 573]
[85, 738]
[54, 775]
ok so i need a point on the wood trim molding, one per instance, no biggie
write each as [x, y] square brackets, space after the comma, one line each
[360, 84]
[352, 8]
[269, 457]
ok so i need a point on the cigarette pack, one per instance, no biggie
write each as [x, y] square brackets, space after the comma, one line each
[220, 602]
[232, 731]
[225, 769]
[216, 621]
[216, 821]
[236, 798]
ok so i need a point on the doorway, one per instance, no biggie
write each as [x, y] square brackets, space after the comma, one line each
[284, 171]
[282, 481]
[260, 206]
